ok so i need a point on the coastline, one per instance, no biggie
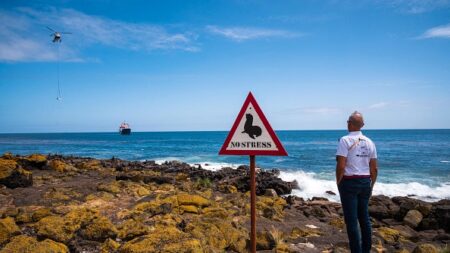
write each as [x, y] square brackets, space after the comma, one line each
[80, 204]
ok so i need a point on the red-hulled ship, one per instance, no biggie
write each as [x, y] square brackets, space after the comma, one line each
[124, 129]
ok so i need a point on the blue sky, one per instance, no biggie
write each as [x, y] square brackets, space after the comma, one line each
[188, 65]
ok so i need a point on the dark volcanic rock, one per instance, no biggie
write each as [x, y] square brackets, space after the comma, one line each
[442, 213]
[382, 207]
[12, 175]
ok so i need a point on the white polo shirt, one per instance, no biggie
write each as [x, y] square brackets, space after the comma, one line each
[359, 150]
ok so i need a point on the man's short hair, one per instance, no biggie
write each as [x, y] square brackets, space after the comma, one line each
[357, 119]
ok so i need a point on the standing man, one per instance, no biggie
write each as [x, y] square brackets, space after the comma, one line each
[356, 173]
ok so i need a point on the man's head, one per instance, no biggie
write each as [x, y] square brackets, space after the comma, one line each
[355, 122]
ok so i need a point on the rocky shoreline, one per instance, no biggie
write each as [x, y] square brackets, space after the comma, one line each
[52, 203]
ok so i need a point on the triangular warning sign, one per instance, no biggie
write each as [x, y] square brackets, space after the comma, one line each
[252, 134]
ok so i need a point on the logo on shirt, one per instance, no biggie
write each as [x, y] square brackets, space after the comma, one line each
[362, 148]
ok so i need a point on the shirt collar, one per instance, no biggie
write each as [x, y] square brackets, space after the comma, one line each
[354, 133]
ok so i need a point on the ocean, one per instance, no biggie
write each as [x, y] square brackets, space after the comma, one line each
[411, 162]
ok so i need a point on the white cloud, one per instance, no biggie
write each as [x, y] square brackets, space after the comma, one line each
[417, 6]
[23, 36]
[437, 32]
[248, 33]
[379, 105]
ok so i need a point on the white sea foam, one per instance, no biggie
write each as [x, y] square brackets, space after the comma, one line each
[445, 161]
[160, 161]
[313, 186]
[213, 166]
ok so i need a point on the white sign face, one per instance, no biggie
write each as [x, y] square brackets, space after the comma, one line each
[251, 134]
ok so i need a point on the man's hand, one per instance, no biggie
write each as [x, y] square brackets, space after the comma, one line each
[340, 167]
[373, 171]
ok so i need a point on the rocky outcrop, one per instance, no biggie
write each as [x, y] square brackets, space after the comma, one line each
[86, 205]
[12, 175]
[413, 218]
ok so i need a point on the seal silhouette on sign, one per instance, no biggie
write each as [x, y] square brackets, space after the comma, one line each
[249, 128]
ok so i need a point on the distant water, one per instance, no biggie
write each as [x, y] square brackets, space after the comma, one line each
[411, 162]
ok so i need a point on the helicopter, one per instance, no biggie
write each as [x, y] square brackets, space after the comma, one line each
[57, 35]
[57, 38]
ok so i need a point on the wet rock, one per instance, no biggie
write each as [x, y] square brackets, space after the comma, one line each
[8, 229]
[442, 213]
[407, 204]
[382, 207]
[413, 218]
[12, 175]
[429, 223]
[425, 248]
[330, 193]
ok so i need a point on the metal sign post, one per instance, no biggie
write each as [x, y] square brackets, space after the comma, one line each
[252, 135]
[252, 204]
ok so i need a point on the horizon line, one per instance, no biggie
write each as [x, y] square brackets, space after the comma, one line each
[190, 131]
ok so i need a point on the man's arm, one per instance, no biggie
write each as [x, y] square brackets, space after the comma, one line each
[340, 167]
[373, 170]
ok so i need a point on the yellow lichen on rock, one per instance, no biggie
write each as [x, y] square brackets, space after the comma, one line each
[7, 166]
[27, 244]
[59, 166]
[132, 228]
[269, 207]
[337, 223]
[195, 200]
[41, 213]
[425, 248]
[36, 158]
[216, 234]
[55, 228]
[100, 229]
[170, 239]
[90, 165]
[109, 246]
[62, 229]
[111, 187]
[8, 228]
[388, 234]
[297, 232]
[50, 246]
[189, 209]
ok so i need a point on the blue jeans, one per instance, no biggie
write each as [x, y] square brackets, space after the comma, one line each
[355, 194]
